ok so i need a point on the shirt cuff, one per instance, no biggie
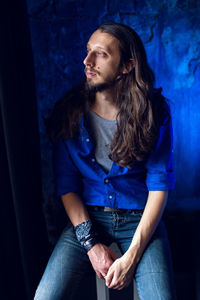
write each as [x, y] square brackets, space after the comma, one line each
[64, 186]
[160, 181]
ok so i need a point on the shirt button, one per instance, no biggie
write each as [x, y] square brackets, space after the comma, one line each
[87, 140]
[106, 180]
[93, 160]
[110, 197]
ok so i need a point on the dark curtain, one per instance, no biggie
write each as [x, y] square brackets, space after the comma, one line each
[24, 246]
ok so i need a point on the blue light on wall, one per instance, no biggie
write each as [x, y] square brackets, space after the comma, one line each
[170, 31]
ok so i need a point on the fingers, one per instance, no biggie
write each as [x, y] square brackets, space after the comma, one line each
[115, 280]
[113, 256]
[103, 269]
[112, 281]
[109, 277]
[99, 275]
[119, 287]
[117, 284]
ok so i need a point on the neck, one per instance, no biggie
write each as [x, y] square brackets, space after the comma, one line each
[104, 104]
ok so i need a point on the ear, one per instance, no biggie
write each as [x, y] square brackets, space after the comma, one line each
[129, 66]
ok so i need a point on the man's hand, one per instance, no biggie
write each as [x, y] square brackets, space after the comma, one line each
[120, 273]
[101, 258]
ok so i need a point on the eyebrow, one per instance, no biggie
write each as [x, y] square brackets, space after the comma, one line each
[105, 49]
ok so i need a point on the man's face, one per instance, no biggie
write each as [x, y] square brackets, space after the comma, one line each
[102, 61]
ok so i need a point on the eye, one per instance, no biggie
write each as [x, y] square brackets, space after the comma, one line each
[100, 53]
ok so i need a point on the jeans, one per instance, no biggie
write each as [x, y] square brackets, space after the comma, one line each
[69, 262]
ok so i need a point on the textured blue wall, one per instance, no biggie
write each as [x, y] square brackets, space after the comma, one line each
[170, 31]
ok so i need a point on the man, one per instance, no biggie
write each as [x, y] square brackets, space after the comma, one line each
[113, 169]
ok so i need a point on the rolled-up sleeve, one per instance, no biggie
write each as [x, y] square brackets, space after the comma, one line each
[160, 175]
[67, 175]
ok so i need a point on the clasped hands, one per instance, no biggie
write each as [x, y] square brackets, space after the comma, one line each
[117, 272]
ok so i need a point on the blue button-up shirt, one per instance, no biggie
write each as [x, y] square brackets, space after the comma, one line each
[76, 170]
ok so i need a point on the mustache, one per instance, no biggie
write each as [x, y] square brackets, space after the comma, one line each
[91, 70]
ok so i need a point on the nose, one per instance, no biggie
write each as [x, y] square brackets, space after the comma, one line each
[89, 60]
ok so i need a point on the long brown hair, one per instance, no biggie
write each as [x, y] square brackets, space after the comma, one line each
[142, 108]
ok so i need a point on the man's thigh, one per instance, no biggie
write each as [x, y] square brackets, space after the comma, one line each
[154, 274]
[67, 267]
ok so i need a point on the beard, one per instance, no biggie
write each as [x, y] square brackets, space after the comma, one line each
[99, 87]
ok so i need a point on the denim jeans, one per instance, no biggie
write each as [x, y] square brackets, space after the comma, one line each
[69, 263]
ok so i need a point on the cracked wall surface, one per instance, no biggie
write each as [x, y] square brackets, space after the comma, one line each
[170, 31]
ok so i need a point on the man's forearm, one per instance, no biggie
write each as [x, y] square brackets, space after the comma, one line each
[101, 257]
[75, 208]
[83, 227]
[152, 214]
[122, 270]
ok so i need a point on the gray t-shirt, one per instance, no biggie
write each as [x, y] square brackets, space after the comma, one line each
[101, 131]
